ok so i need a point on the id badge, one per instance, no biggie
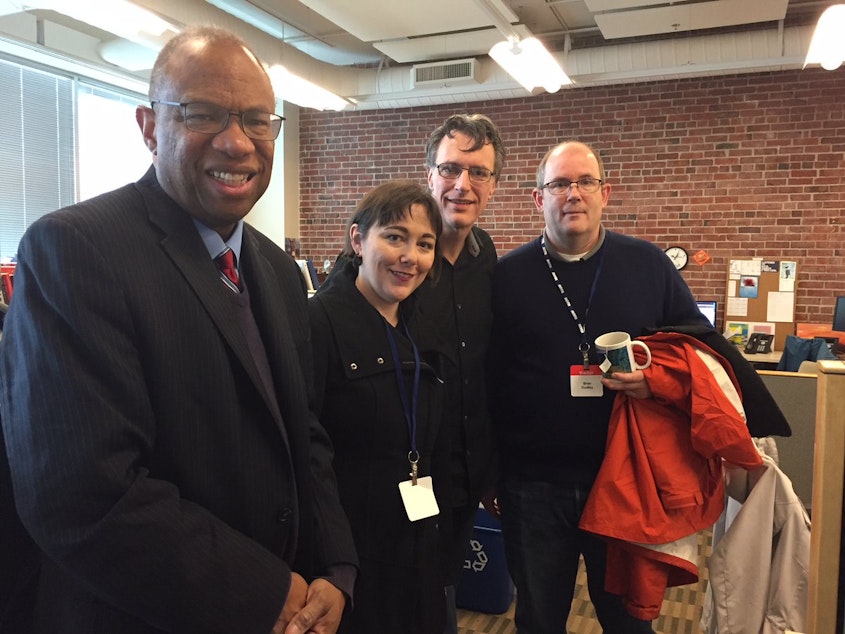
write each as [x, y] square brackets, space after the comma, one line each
[419, 499]
[585, 381]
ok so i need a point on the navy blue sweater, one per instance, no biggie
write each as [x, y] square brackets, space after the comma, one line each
[544, 433]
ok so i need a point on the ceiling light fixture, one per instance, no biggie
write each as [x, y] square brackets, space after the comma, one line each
[132, 56]
[529, 63]
[121, 17]
[251, 14]
[302, 92]
[142, 33]
[523, 58]
[827, 46]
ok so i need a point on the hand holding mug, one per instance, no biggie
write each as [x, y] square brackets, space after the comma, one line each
[618, 349]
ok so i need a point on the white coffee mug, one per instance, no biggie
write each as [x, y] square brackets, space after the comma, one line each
[619, 353]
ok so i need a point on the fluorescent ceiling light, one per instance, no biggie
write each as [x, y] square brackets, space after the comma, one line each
[143, 32]
[827, 46]
[129, 55]
[302, 92]
[123, 18]
[258, 18]
[529, 63]
[54, 59]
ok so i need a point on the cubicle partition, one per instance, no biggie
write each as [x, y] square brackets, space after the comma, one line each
[795, 394]
[814, 459]
[827, 571]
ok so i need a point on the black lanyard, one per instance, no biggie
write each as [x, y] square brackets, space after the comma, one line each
[410, 410]
[584, 346]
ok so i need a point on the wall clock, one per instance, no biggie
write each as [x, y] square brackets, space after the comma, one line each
[678, 255]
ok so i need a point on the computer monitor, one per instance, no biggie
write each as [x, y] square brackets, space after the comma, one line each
[708, 309]
[839, 314]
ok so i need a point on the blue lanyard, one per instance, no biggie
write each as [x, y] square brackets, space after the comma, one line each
[410, 411]
[584, 346]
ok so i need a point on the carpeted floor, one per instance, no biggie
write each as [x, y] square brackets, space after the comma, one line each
[680, 613]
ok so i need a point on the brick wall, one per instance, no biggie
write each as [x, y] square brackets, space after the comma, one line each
[740, 166]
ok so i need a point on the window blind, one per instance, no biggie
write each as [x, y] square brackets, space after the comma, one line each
[37, 148]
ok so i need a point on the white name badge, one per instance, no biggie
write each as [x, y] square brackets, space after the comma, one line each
[585, 381]
[419, 500]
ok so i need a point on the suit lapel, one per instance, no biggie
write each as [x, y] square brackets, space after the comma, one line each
[277, 332]
[185, 248]
[267, 307]
[267, 313]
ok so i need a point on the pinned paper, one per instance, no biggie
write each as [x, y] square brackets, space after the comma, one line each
[701, 257]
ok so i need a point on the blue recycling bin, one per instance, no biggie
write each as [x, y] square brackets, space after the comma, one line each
[485, 584]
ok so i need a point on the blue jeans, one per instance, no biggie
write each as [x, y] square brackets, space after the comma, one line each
[542, 547]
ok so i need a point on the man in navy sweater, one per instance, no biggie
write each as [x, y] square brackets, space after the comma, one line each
[551, 298]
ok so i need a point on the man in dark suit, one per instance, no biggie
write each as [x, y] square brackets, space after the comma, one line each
[158, 423]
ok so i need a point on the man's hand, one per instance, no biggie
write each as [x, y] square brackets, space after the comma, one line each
[293, 604]
[634, 383]
[323, 608]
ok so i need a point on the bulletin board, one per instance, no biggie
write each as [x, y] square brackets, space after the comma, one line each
[760, 297]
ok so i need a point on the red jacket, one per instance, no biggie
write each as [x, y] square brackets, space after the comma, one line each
[661, 480]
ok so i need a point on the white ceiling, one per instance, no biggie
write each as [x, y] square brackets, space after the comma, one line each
[681, 18]
[363, 49]
[376, 20]
[363, 25]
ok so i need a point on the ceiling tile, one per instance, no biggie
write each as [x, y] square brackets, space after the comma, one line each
[450, 46]
[374, 20]
[688, 17]
[613, 5]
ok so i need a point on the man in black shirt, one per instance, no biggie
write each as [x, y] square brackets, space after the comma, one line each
[464, 157]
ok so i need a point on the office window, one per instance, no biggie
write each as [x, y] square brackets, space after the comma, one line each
[36, 148]
[63, 140]
[111, 149]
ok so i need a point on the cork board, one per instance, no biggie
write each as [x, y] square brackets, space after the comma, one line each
[760, 297]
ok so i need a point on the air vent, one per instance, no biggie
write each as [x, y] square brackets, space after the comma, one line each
[458, 71]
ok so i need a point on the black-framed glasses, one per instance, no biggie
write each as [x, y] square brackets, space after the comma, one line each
[561, 186]
[453, 171]
[210, 118]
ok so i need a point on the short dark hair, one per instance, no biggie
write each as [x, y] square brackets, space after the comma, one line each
[541, 168]
[476, 126]
[388, 203]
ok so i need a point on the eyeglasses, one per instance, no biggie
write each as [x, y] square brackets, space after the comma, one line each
[588, 185]
[209, 118]
[453, 171]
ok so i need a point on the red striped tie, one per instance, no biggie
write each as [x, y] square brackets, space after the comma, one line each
[228, 273]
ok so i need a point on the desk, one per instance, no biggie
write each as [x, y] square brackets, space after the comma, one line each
[764, 360]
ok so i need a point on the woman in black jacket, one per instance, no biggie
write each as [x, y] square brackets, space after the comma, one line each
[380, 398]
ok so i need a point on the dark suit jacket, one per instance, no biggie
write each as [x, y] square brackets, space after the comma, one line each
[146, 460]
